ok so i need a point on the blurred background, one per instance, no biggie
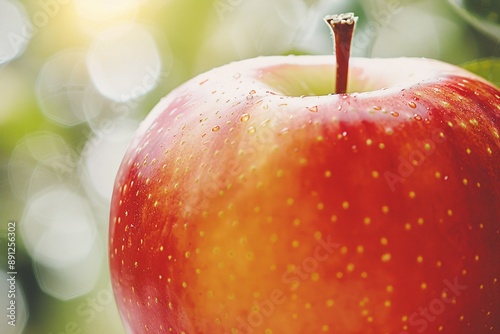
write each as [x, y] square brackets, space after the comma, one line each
[77, 77]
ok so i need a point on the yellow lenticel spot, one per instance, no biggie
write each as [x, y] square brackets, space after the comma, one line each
[386, 257]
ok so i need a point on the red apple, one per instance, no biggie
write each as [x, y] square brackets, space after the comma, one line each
[253, 201]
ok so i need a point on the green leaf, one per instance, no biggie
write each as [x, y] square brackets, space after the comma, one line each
[488, 68]
[488, 9]
[484, 15]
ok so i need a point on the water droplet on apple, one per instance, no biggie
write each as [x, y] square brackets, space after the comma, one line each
[249, 97]
[417, 117]
[265, 122]
[237, 75]
[412, 104]
[377, 108]
[395, 114]
[216, 128]
[244, 117]
[251, 130]
[313, 109]
[284, 131]
[252, 92]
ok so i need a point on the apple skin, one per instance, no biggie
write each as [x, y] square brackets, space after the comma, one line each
[243, 207]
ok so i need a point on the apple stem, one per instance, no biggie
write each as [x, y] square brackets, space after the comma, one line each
[342, 26]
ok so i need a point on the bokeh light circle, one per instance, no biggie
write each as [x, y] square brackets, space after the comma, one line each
[108, 147]
[72, 280]
[14, 30]
[58, 227]
[64, 90]
[124, 62]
